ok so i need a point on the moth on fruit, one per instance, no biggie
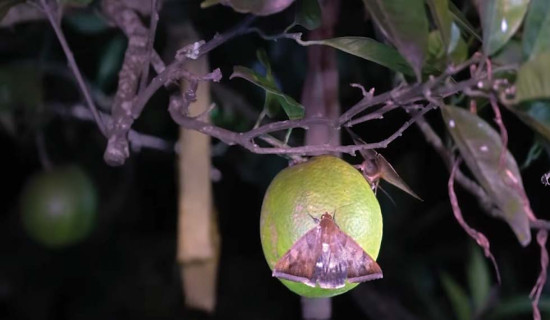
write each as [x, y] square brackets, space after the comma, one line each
[376, 167]
[326, 256]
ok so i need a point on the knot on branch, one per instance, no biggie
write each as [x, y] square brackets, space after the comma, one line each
[190, 51]
[117, 150]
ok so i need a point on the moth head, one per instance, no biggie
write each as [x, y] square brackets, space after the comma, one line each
[327, 215]
[327, 219]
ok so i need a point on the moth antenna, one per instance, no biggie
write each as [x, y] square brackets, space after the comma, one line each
[316, 220]
[388, 195]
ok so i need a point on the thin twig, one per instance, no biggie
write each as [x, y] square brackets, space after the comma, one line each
[43, 152]
[396, 98]
[470, 185]
[137, 139]
[542, 236]
[245, 138]
[502, 129]
[479, 237]
[128, 107]
[433, 139]
[53, 19]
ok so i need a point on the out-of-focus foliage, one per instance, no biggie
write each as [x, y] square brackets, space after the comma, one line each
[258, 7]
[481, 147]
[274, 98]
[500, 19]
[534, 79]
[408, 32]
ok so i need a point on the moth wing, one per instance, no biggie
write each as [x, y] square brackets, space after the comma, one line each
[360, 265]
[330, 269]
[298, 263]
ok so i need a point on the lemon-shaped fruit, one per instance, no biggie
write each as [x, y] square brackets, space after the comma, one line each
[322, 184]
[58, 207]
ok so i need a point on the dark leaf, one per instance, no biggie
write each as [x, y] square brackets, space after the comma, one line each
[308, 14]
[533, 81]
[110, 61]
[271, 102]
[21, 97]
[458, 298]
[293, 109]
[479, 278]
[443, 19]
[437, 57]
[481, 147]
[86, 22]
[257, 7]
[536, 32]
[500, 19]
[6, 5]
[535, 114]
[511, 53]
[462, 22]
[534, 153]
[368, 49]
[405, 24]
[519, 305]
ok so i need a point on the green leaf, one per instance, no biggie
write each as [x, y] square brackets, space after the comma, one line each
[21, 97]
[110, 61]
[264, 60]
[443, 19]
[271, 103]
[209, 3]
[405, 24]
[534, 153]
[536, 32]
[481, 147]
[533, 81]
[511, 53]
[500, 19]
[437, 57]
[367, 49]
[536, 114]
[479, 279]
[519, 305]
[257, 7]
[308, 14]
[86, 22]
[293, 109]
[462, 22]
[458, 298]
[6, 5]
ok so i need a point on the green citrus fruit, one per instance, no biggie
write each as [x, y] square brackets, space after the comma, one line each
[58, 207]
[322, 184]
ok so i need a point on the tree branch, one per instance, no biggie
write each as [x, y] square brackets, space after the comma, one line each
[155, 7]
[479, 237]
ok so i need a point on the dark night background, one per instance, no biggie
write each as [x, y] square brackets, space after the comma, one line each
[127, 267]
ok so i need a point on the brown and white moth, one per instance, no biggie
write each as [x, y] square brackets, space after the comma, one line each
[327, 256]
[376, 167]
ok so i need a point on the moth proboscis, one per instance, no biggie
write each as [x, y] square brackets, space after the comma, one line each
[326, 256]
